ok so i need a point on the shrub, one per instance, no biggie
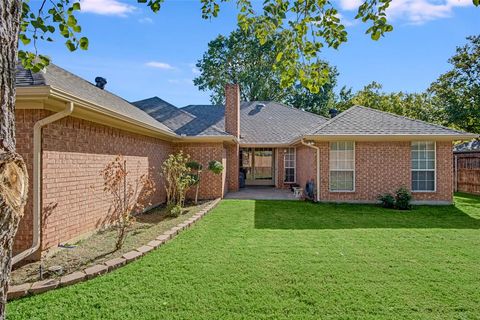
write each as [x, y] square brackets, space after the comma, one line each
[176, 211]
[177, 179]
[128, 196]
[387, 200]
[403, 198]
[215, 166]
[195, 176]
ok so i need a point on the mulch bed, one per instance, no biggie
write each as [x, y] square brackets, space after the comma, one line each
[99, 247]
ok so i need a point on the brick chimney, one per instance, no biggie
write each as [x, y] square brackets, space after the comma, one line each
[232, 126]
[232, 109]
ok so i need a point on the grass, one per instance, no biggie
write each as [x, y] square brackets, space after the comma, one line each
[287, 259]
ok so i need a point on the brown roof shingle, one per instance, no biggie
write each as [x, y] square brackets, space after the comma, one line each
[360, 120]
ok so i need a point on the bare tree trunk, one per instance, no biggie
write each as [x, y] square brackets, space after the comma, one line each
[13, 173]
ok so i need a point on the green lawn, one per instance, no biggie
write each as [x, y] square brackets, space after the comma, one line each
[288, 259]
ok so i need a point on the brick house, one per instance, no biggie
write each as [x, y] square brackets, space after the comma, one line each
[68, 129]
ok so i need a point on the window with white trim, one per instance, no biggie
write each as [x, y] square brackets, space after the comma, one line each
[423, 165]
[342, 166]
[289, 160]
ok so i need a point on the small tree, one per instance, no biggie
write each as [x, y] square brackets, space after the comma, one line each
[196, 176]
[177, 181]
[128, 197]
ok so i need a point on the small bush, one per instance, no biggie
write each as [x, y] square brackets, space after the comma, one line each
[194, 165]
[176, 211]
[387, 200]
[215, 166]
[402, 199]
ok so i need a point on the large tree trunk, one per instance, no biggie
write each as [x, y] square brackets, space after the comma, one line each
[13, 173]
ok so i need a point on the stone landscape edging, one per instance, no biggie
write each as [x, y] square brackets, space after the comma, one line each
[30, 288]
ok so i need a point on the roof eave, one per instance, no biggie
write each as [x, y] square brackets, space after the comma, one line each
[208, 139]
[390, 137]
[265, 145]
[47, 92]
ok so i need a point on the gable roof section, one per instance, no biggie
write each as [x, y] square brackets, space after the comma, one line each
[262, 122]
[63, 80]
[362, 121]
[178, 120]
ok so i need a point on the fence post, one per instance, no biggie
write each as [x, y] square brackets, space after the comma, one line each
[456, 173]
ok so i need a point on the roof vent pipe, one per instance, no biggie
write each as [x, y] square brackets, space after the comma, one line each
[100, 82]
[333, 113]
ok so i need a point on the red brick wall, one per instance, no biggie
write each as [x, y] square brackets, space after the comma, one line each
[74, 152]
[233, 167]
[305, 166]
[384, 167]
[212, 185]
[306, 159]
[25, 120]
[280, 163]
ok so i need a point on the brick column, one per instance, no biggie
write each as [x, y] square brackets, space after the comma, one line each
[232, 126]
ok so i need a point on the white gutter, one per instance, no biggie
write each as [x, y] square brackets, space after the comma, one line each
[313, 146]
[37, 179]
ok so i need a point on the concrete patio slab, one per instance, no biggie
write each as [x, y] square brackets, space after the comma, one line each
[261, 193]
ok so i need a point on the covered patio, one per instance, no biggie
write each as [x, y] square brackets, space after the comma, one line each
[261, 193]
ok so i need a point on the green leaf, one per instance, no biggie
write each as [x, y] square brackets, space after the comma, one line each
[83, 42]
[279, 56]
[25, 40]
[476, 2]
[71, 21]
[70, 45]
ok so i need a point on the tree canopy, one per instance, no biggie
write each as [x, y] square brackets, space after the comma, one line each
[413, 105]
[241, 58]
[452, 100]
[458, 90]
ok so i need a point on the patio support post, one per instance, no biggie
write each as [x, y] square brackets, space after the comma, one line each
[317, 149]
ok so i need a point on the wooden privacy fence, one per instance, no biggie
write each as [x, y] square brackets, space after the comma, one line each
[467, 173]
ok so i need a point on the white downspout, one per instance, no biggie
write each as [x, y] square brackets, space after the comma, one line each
[37, 179]
[313, 146]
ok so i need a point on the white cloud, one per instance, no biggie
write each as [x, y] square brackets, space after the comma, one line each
[107, 7]
[350, 4]
[159, 65]
[146, 20]
[415, 11]
[347, 22]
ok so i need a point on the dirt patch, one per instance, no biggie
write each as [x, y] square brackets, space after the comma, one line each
[99, 247]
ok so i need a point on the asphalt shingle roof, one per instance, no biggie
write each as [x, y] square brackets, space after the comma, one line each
[262, 122]
[61, 79]
[360, 120]
[470, 146]
[178, 120]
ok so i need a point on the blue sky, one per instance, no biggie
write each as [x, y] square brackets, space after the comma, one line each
[144, 54]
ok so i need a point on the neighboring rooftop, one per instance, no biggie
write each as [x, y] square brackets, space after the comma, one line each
[64, 80]
[470, 146]
[261, 122]
[178, 120]
[360, 120]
